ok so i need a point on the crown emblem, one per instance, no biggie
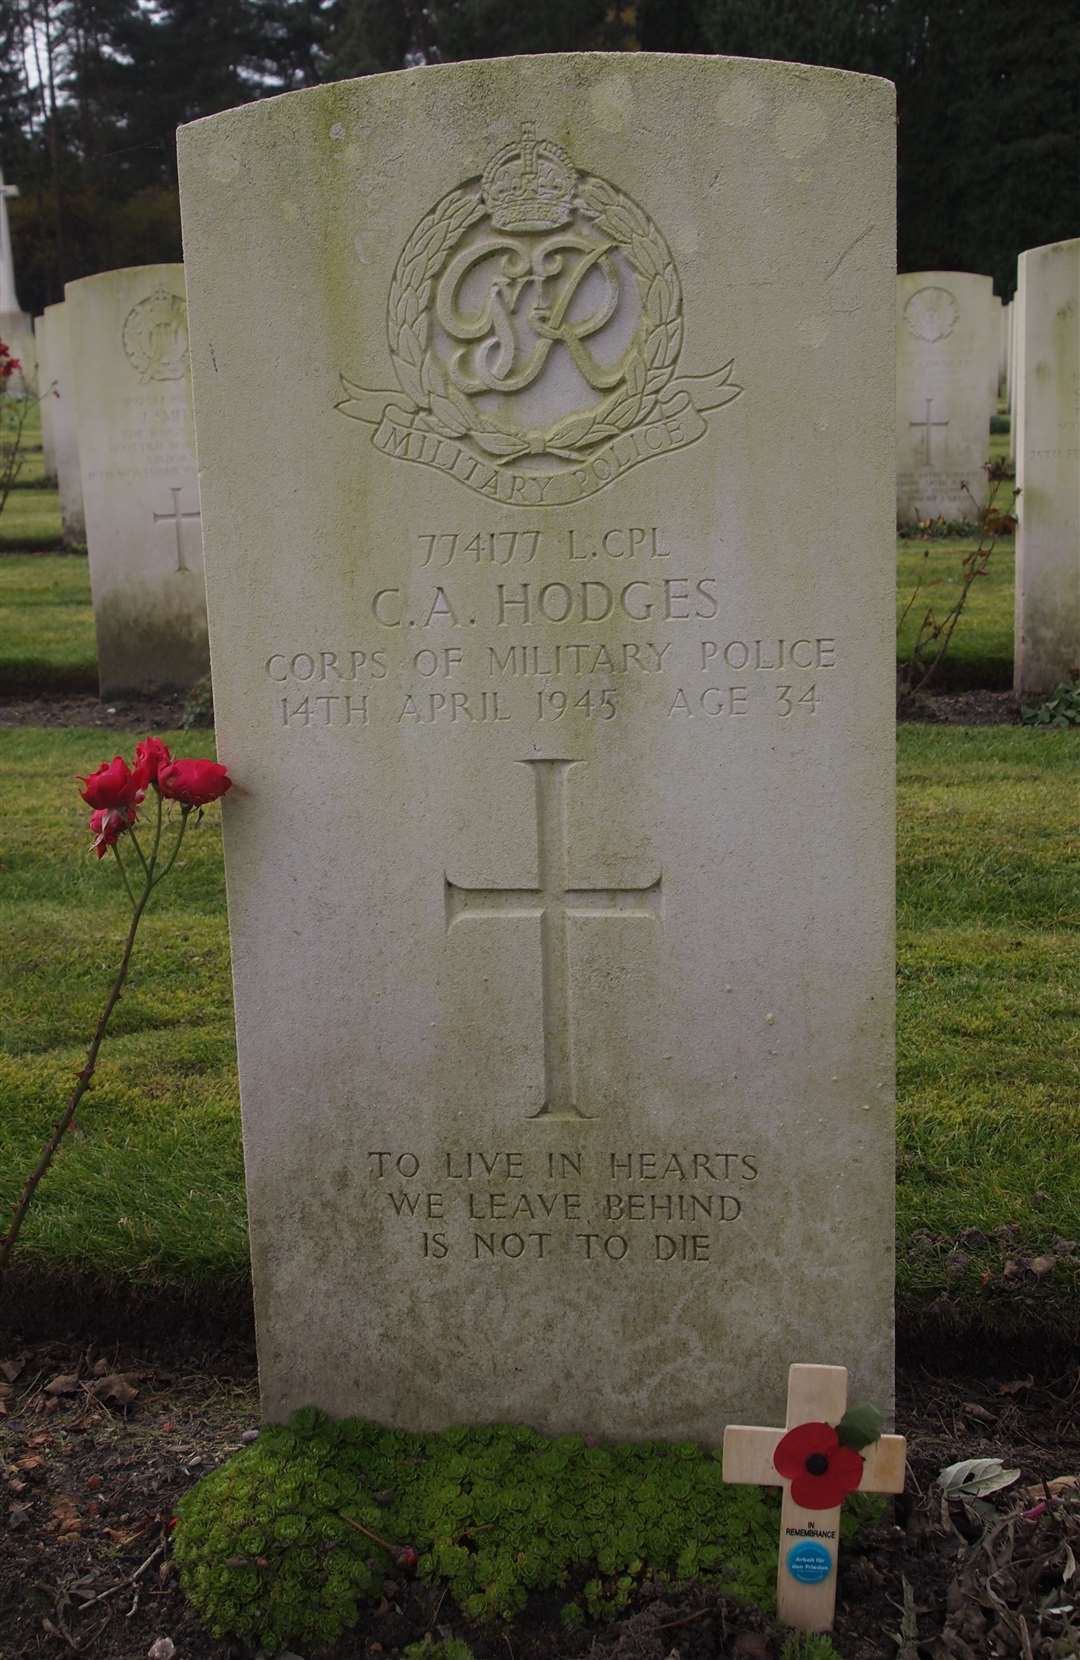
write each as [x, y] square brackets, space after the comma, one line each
[529, 185]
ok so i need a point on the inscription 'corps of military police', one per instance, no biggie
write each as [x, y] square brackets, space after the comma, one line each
[535, 320]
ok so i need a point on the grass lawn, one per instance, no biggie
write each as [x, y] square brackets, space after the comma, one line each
[46, 623]
[989, 1057]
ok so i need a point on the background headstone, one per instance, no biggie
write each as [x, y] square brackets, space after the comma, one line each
[128, 339]
[997, 351]
[553, 657]
[1047, 649]
[946, 353]
[16, 325]
[1015, 354]
[46, 387]
[64, 425]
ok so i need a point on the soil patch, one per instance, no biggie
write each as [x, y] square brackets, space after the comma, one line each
[96, 1448]
[141, 714]
[973, 708]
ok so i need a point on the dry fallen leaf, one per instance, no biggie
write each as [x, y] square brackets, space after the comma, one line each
[65, 1517]
[67, 1383]
[116, 1388]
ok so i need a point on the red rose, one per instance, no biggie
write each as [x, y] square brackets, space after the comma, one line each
[822, 1472]
[112, 785]
[193, 783]
[150, 756]
[108, 825]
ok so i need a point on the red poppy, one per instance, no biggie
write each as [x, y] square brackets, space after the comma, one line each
[193, 783]
[108, 825]
[822, 1472]
[112, 785]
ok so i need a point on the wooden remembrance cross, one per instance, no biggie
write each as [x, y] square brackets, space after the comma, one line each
[809, 1539]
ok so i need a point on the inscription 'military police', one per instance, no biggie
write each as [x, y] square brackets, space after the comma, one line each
[535, 320]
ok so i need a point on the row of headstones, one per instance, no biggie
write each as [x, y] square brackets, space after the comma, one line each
[117, 430]
[956, 345]
[115, 377]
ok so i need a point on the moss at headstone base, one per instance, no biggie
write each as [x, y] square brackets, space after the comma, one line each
[276, 1545]
[812, 1647]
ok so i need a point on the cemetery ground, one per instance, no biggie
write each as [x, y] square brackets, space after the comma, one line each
[126, 1355]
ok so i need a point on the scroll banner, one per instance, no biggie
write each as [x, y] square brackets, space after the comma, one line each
[678, 419]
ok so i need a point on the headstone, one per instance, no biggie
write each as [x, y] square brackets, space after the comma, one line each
[1047, 646]
[61, 403]
[128, 337]
[1015, 312]
[46, 393]
[553, 657]
[16, 325]
[946, 350]
[995, 365]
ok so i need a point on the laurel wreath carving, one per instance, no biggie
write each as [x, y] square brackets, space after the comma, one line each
[650, 362]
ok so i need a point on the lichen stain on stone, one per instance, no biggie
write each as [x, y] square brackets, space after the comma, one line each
[142, 648]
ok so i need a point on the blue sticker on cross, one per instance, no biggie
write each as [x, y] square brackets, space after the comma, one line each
[809, 1562]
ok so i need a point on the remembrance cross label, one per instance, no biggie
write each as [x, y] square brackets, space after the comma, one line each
[553, 900]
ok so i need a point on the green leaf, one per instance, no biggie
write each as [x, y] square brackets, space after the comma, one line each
[859, 1426]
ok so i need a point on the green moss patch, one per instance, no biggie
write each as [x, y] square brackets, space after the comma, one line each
[277, 1545]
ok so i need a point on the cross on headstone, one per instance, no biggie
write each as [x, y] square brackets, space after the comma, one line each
[553, 900]
[809, 1539]
[176, 518]
[926, 426]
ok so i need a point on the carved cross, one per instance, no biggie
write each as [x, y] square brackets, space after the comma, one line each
[809, 1539]
[176, 518]
[926, 428]
[553, 900]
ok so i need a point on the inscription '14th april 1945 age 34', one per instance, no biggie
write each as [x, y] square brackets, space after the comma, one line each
[619, 1205]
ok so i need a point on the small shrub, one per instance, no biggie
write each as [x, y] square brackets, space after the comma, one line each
[1061, 708]
[199, 705]
[277, 1545]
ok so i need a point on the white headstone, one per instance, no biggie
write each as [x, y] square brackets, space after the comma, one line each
[549, 515]
[128, 339]
[1047, 648]
[61, 403]
[16, 325]
[996, 366]
[46, 390]
[946, 352]
[1014, 368]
